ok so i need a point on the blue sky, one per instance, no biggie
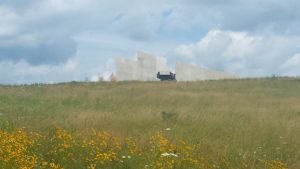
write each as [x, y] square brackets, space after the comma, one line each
[65, 40]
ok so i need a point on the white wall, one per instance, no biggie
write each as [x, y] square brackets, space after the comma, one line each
[126, 69]
[144, 69]
[161, 65]
[187, 72]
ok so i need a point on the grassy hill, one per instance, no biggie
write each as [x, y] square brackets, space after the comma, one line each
[257, 118]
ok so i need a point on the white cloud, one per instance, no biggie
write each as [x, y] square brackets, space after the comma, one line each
[23, 72]
[268, 16]
[248, 37]
[293, 61]
[243, 53]
[292, 66]
[8, 20]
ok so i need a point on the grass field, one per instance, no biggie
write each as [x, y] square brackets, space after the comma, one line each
[251, 123]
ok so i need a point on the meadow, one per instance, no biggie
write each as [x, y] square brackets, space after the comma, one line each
[247, 123]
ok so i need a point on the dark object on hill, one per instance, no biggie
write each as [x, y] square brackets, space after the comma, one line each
[169, 116]
[166, 76]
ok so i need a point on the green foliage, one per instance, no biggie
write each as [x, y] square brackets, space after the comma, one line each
[169, 116]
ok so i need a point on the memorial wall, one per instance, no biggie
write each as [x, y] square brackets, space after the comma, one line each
[146, 66]
[188, 72]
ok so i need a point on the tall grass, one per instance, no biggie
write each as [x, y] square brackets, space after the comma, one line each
[257, 118]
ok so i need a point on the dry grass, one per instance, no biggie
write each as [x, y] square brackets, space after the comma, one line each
[232, 118]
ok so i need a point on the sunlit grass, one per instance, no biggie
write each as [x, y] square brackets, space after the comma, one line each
[59, 149]
[236, 122]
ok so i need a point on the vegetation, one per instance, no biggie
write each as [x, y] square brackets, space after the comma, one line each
[252, 123]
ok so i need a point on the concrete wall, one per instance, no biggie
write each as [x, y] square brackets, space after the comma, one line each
[161, 65]
[126, 69]
[187, 72]
[144, 68]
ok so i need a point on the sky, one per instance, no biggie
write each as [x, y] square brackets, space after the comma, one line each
[49, 41]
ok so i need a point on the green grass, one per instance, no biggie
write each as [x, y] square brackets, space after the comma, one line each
[252, 117]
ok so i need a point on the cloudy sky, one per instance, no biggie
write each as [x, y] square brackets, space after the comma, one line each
[65, 40]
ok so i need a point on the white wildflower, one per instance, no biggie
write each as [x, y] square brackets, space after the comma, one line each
[174, 155]
[169, 155]
[165, 154]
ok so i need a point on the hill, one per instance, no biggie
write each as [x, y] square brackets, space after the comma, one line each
[259, 118]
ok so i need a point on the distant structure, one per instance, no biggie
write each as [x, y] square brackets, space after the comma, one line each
[112, 78]
[188, 72]
[147, 67]
[144, 68]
